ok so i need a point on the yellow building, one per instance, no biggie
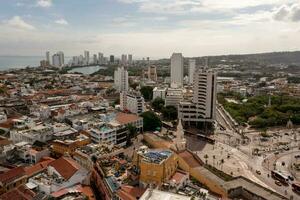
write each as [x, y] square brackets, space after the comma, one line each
[156, 166]
[61, 147]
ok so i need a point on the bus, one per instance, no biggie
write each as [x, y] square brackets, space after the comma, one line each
[280, 177]
[296, 187]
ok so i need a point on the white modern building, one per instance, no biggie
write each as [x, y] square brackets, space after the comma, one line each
[130, 59]
[121, 79]
[124, 59]
[173, 97]
[159, 93]
[95, 59]
[58, 59]
[192, 67]
[202, 107]
[176, 70]
[100, 58]
[48, 57]
[87, 57]
[132, 102]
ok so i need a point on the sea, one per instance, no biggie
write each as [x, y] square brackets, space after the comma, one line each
[18, 62]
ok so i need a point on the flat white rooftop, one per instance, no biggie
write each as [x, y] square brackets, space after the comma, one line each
[162, 195]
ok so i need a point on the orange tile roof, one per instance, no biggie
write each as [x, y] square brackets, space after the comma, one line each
[66, 167]
[12, 174]
[127, 192]
[124, 118]
[178, 176]
[20, 193]
[37, 168]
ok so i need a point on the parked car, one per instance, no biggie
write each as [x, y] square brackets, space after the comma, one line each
[278, 183]
[291, 177]
[258, 172]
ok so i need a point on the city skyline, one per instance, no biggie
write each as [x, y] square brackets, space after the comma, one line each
[149, 28]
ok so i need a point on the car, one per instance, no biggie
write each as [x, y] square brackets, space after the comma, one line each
[258, 172]
[276, 152]
[278, 183]
[291, 177]
[297, 156]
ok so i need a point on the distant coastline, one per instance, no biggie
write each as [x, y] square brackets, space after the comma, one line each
[18, 62]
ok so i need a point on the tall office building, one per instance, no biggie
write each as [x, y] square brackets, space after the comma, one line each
[87, 57]
[56, 60]
[202, 107]
[61, 58]
[95, 59]
[192, 67]
[176, 70]
[100, 58]
[112, 59]
[121, 79]
[130, 59]
[48, 57]
[152, 74]
[124, 59]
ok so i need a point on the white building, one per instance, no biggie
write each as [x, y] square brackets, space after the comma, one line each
[154, 194]
[95, 59]
[132, 101]
[41, 133]
[105, 134]
[159, 93]
[130, 59]
[48, 57]
[87, 57]
[192, 67]
[100, 58]
[124, 59]
[173, 97]
[121, 79]
[58, 59]
[203, 104]
[176, 70]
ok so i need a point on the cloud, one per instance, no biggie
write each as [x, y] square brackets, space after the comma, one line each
[19, 23]
[44, 3]
[287, 13]
[62, 22]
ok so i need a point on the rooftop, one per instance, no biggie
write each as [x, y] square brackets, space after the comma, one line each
[155, 156]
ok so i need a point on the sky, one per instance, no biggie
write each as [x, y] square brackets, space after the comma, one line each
[153, 28]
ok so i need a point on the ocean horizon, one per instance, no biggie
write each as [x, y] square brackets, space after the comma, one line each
[18, 62]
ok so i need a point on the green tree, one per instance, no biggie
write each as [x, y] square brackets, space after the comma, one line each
[151, 121]
[170, 112]
[147, 92]
[132, 132]
[158, 104]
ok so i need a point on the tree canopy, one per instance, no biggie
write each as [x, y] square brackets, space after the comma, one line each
[147, 92]
[151, 121]
[158, 104]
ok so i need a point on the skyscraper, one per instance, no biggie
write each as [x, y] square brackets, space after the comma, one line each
[100, 58]
[48, 57]
[121, 79]
[56, 60]
[192, 67]
[130, 59]
[61, 58]
[95, 59]
[112, 59]
[87, 57]
[152, 74]
[124, 59]
[202, 107]
[176, 70]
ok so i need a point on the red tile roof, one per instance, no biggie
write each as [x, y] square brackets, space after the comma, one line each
[86, 190]
[66, 167]
[20, 193]
[12, 174]
[124, 118]
[127, 192]
[178, 176]
[37, 168]
[189, 159]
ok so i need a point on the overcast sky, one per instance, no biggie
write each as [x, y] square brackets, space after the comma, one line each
[154, 28]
